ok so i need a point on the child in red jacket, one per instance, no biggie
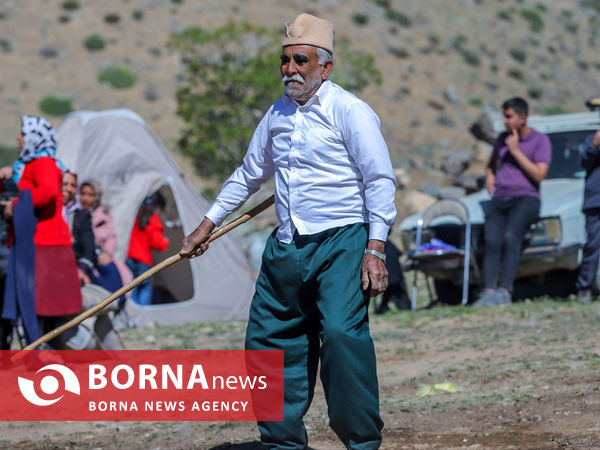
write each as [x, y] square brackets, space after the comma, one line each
[147, 235]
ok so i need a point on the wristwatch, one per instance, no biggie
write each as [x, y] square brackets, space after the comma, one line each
[381, 256]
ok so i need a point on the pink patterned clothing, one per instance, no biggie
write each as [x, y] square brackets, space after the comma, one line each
[106, 240]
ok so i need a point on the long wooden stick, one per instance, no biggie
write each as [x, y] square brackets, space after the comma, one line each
[147, 274]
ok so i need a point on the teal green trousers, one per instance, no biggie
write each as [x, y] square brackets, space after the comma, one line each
[309, 303]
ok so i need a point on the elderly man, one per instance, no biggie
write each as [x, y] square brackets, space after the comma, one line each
[334, 197]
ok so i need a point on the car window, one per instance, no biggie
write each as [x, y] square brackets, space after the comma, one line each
[565, 154]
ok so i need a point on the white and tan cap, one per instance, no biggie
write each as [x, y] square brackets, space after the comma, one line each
[309, 30]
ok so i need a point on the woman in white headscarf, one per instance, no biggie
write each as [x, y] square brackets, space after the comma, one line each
[57, 290]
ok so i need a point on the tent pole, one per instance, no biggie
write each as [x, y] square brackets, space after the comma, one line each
[147, 274]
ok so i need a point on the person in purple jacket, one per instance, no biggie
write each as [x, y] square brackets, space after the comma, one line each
[519, 162]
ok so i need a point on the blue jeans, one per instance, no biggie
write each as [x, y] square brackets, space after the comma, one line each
[142, 293]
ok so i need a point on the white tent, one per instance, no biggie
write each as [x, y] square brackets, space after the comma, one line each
[117, 148]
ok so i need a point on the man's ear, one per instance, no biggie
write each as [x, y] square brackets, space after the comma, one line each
[326, 69]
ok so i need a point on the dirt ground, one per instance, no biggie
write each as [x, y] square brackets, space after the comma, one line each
[529, 378]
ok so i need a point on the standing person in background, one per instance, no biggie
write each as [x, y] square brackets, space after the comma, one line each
[57, 291]
[146, 235]
[334, 198]
[112, 273]
[519, 162]
[6, 328]
[590, 161]
[80, 224]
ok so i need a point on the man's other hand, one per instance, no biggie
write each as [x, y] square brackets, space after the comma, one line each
[374, 272]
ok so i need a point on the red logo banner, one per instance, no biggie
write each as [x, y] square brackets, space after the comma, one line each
[152, 385]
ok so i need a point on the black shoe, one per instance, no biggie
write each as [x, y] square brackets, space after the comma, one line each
[382, 309]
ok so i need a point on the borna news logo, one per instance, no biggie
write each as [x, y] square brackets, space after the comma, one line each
[49, 385]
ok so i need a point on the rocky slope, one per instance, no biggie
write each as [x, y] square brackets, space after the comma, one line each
[441, 60]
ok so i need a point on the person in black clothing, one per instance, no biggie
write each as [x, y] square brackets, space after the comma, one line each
[6, 326]
[396, 291]
[80, 223]
[590, 161]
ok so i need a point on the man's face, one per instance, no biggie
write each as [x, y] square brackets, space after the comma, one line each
[301, 73]
[69, 187]
[513, 121]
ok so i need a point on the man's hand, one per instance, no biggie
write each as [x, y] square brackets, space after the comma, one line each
[83, 278]
[195, 244]
[596, 140]
[373, 270]
[490, 181]
[6, 172]
[8, 208]
[512, 141]
[104, 259]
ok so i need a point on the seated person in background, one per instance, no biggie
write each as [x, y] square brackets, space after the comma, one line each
[519, 162]
[80, 224]
[146, 235]
[112, 272]
[590, 161]
[396, 290]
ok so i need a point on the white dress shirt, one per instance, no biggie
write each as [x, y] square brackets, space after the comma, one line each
[331, 164]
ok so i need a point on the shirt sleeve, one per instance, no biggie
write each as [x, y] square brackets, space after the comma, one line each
[543, 153]
[370, 152]
[256, 167]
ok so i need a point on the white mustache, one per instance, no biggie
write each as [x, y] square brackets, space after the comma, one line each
[296, 77]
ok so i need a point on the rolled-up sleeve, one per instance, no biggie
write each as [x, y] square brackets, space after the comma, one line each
[367, 147]
[256, 167]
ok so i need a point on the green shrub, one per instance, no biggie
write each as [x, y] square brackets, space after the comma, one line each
[476, 101]
[506, 14]
[553, 110]
[398, 17]
[541, 7]
[459, 41]
[433, 39]
[112, 18]
[64, 18]
[518, 54]
[535, 93]
[70, 5]
[94, 42]
[593, 4]
[399, 52]
[383, 3]
[360, 19]
[515, 73]
[137, 14]
[536, 23]
[470, 57]
[117, 77]
[6, 46]
[55, 106]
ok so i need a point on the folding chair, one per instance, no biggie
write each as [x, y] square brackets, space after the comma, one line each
[456, 208]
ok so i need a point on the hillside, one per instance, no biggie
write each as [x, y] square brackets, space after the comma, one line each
[441, 61]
